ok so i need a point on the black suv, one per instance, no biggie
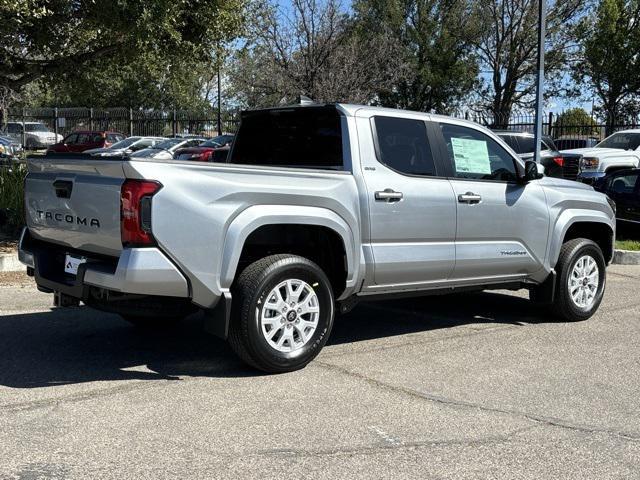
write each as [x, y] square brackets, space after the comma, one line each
[555, 164]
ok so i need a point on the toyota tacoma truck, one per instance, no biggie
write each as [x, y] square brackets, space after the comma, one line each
[315, 208]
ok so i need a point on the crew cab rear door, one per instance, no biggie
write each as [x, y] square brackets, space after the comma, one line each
[75, 202]
[412, 211]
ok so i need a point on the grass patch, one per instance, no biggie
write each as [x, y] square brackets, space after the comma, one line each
[628, 245]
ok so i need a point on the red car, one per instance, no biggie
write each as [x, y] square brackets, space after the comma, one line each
[213, 150]
[85, 140]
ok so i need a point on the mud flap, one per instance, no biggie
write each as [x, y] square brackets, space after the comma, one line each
[546, 291]
[216, 320]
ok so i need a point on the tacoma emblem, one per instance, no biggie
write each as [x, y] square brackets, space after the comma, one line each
[67, 218]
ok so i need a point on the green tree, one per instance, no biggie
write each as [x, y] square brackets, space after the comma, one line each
[507, 48]
[610, 60]
[575, 121]
[434, 41]
[52, 39]
[311, 49]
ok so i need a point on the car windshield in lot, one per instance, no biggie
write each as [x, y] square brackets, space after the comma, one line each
[218, 141]
[125, 143]
[168, 144]
[35, 127]
[621, 141]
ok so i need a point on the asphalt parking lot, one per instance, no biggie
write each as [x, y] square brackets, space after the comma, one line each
[466, 386]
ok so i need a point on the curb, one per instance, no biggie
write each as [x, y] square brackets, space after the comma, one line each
[626, 257]
[9, 263]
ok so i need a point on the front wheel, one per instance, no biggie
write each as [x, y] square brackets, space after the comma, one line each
[581, 280]
[282, 313]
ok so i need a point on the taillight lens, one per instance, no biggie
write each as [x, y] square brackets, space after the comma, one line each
[135, 212]
[559, 161]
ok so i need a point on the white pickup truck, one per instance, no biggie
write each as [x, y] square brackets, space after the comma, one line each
[616, 152]
[315, 208]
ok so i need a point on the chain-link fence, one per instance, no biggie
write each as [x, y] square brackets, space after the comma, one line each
[129, 121]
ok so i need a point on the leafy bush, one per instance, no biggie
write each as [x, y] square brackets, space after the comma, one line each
[12, 198]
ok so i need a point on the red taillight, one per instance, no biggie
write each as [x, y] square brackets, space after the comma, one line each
[135, 212]
[559, 161]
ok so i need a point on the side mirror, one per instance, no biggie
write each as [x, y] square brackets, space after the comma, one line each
[531, 171]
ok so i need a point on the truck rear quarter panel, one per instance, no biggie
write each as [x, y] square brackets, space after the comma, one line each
[203, 213]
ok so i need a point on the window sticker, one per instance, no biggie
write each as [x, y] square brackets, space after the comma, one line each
[471, 156]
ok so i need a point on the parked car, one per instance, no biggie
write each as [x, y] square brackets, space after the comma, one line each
[9, 147]
[555, 164]
[164, 150]
[618, 151]
[319, 207]
[204, 151]
[36, 134]
[567, 142]
[126, 146]
[185, 135]
[623, 186]
[84, 140]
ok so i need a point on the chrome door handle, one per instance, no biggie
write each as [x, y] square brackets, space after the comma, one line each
[469, 197]
[388, 195]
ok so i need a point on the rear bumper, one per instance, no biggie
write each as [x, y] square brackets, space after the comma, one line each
[141, 271]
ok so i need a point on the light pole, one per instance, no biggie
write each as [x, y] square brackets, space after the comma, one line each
[542, 17]
[219, 98]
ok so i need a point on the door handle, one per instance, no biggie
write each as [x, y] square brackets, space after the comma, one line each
[469, 197]
[388, 195]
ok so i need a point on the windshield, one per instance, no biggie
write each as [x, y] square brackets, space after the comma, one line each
[167, 144]
[35, 127]
[125, 143]
[621, 141]
[218, 141]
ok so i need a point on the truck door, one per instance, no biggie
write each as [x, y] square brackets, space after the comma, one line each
[624, 189]
[503, 225]
[412, 210]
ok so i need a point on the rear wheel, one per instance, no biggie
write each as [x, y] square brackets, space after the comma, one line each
[282, 313]
[581, 280]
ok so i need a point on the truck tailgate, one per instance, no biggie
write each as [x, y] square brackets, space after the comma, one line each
[75, 202]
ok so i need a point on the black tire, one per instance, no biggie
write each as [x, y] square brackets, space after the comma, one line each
[151, 323]
[250, 293]
[563, 305]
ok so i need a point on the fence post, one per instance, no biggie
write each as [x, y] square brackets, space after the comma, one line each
[130, 121]
[549, 130]
[55, 122]
[174, 127]
[91, 118]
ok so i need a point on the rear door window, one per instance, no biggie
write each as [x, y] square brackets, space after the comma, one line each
[402, 145]
[512, 141]
[83, 138]
[71, 139]
[302, 137]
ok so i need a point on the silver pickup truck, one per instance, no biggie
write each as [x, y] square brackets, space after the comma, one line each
[315, 208]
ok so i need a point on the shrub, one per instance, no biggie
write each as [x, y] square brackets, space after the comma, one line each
[12, 198]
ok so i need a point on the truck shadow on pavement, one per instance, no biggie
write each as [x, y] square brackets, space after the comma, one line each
[77, 345]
